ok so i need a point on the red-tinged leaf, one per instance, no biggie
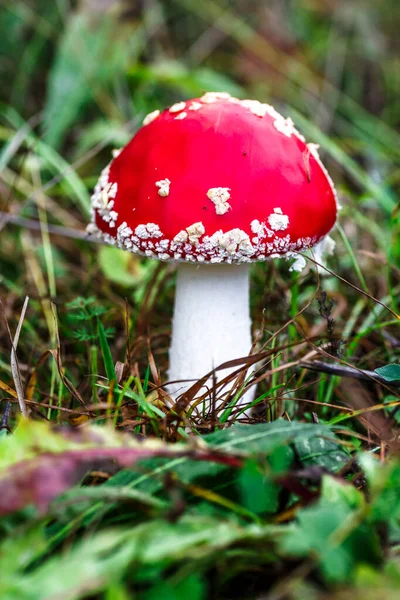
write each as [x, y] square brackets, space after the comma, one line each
[40, 475]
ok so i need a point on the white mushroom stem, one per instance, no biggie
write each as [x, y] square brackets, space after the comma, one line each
[211, 324]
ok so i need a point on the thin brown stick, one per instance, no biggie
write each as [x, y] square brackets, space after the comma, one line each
[345, 371]
[354, 287]
[34, 225]
[16, 374]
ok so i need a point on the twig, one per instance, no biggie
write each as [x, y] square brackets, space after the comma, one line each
[14, 360]
[5, 417]
[354, 287]
[344, 371]
[34, 224]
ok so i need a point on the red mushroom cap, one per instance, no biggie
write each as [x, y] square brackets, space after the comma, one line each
[215, 179]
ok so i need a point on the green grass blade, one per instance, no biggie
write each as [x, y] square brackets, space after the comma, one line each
[106, 352]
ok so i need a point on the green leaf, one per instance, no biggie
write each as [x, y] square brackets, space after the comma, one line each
[267, 439]
[389, 372]
[119, 266]
[384, 492]
[254, 439]
[192, 587]
[258, 491]
[106, 352]
[335, 533]
[322, 451]
[281, 459]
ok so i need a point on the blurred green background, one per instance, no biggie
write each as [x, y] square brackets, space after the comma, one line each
[77, 79]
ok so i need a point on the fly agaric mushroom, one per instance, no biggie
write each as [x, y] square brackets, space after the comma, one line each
[214, 183]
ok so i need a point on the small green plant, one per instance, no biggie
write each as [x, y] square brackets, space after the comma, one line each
[82, 318]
